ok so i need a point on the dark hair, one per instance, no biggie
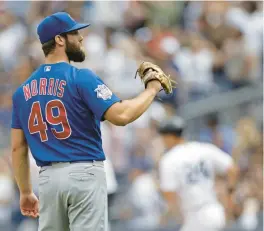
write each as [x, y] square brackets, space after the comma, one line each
[250, 6]
[49, 46]
[174, 125]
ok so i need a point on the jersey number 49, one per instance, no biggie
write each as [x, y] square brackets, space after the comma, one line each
[36, 124]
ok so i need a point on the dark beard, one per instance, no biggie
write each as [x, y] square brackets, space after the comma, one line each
[74, 53]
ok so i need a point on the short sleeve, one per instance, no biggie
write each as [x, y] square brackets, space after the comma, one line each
[96, 95]
[169, 179]
[15, 115]
[222, 161]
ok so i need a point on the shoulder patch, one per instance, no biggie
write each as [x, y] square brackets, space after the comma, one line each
[103, 92]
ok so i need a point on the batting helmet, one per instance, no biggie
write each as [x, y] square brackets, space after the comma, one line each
[174, 125]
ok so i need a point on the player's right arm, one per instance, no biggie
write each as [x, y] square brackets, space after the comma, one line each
[127, 111]
[20, 160]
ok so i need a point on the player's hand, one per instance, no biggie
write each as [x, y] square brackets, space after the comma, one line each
[154, 84]
[29, 205]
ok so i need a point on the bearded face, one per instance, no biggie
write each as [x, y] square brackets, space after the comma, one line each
[74, 51]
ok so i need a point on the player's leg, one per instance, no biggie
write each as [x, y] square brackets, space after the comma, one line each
[194, 225]
[53, 210]
[214, 215]
[208, 218]
[190, 223]
[88, 203]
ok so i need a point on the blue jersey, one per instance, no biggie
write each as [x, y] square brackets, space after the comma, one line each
[59, 109]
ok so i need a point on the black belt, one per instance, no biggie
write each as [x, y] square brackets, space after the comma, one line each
[71, 162]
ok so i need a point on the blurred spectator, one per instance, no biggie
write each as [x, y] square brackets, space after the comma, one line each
[196, 63]
[248, 17]
[5, 109]
[212, 22]
[247, 142]
[6, 194]
[135, 16]
[11, 29]
[222, 136]
[239, 64]
[117, 144]
[249, 193]
[145, 201]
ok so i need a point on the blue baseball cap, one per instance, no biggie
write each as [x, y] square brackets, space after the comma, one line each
[57, 24]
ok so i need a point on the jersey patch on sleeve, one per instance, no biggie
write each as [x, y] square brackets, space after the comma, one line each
[103, 92]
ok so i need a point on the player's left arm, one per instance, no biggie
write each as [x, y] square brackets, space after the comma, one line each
[20, 161]
[224, 164]
[232, 177]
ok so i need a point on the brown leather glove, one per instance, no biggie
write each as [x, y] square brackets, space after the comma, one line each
[149, 71]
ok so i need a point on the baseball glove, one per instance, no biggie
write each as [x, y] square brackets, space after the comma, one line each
[149, 71]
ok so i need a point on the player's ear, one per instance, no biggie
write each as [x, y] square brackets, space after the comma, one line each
[60, 40]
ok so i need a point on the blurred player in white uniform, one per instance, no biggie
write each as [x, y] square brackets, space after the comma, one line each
[187, 177]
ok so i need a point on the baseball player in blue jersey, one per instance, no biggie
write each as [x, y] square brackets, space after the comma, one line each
[57, 113]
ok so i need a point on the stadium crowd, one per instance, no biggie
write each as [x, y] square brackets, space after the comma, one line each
[207, 47]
